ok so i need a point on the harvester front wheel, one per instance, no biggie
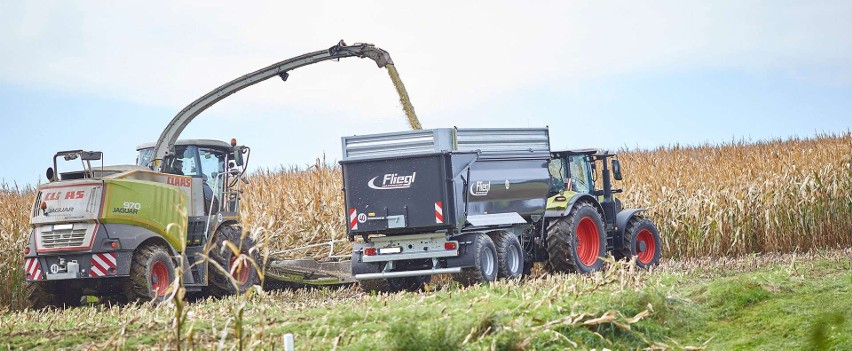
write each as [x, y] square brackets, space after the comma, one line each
[236, 271]
[485, 263]
[576, 242]
[151, 274]
[643, 239]
[510, 255]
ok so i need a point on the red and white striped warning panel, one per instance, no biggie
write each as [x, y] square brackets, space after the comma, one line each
[101, 264]
[33, 269]
[439, 212]
[353, 219]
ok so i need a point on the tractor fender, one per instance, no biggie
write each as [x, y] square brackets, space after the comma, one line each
[576, 198]
[621, 219]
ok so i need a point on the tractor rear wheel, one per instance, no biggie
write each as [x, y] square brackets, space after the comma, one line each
[643, 239]
[576, 242]
[152, 272]
[485, 263]
[510, 255]
[236, 272]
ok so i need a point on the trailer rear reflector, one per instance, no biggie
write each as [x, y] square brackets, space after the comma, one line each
[353, 219]
[450, 245]
[439, 212]
[370, 251]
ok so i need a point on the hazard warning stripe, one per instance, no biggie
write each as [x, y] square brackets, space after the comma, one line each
[101, 264]
[353, 219]
[33, 269]
[439, 212]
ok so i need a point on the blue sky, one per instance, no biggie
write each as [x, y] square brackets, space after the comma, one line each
[109, 76]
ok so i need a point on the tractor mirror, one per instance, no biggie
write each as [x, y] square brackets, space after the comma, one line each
[238, 156]
[50, 174]
[616, 169]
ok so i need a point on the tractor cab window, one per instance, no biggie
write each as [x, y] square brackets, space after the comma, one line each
[145, 157]
[579, 171]
[185, 161]
[557, 175]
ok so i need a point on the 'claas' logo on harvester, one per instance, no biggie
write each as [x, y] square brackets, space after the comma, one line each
[392, 181]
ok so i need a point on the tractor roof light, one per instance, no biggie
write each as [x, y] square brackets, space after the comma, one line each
[233, 141]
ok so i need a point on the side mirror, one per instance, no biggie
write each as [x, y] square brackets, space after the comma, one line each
[238, 155]
[50, 174]
[616, 170]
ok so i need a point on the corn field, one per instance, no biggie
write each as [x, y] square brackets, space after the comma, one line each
[708, 201]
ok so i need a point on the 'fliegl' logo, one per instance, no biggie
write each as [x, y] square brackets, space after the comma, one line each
[392, 181]
[480, 188]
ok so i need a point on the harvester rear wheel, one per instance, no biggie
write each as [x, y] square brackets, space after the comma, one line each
[485, 263]
[510, 255]
[576, 242]
[238, 272]
[643, 239]
[152, 272]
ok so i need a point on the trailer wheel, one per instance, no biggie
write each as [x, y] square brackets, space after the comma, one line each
[485, 263]
[239, 273]
[45, 294]
[643, 239]
[510, 256]
[576, 242]
[152, 271]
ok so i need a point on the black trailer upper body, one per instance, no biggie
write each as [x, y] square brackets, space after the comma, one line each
[417, 196]
[451, 179]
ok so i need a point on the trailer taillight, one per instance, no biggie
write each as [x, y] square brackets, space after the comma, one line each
[450, 245]
[371, 251]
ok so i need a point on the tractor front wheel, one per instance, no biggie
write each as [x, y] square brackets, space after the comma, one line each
[236, 271]
[151, 274]
[643, 239]
[576, 242]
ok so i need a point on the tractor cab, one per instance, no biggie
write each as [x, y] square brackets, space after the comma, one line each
[572, 171]
[214, 165]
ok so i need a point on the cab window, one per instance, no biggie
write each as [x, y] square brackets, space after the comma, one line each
[185, 161]
[212, 164]
[579, 172]
[557, 175]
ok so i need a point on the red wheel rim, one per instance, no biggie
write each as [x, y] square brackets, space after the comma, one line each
[241, 273]
[647, 256]
[160, 278]
[588, 241]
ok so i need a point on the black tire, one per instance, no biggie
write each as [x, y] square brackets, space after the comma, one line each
[643, 240]
[50, 294]
[152, 272]
[566, 239]
[510, 255]
[485, 263]
[385, 285]
[237, 282]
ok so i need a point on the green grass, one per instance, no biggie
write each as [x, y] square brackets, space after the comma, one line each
[757, 302]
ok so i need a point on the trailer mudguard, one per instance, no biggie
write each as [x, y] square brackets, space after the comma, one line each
[621, 219]
[466, 257]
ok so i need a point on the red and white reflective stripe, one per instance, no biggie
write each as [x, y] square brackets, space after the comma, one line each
[353, 219]
[439, 212]
[101, 264]
[33, 269]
